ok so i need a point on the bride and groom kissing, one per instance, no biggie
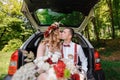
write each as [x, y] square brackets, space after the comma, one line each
[56, 41]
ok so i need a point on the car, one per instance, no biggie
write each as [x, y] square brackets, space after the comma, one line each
[32, 9]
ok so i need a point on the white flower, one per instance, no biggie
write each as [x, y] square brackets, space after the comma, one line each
[55, 58]
[50, 54]
[51, 74]
[58, 54]
[70, 66]
[45, 66]
[40, 63]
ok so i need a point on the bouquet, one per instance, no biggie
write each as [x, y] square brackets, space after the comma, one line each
[58, 68]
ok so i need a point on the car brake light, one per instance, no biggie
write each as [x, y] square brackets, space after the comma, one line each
[13, 63]
[97, 60]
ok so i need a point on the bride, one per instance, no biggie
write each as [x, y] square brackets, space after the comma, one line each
[49, 45]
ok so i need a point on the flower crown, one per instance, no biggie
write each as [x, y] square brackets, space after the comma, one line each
[51, 28]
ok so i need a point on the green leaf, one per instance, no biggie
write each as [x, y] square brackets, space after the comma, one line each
[67, 73]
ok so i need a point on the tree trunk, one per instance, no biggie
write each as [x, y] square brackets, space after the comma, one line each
[109, 2]
[87, 32]
[116, 7]
[95, 30]
[2, 33]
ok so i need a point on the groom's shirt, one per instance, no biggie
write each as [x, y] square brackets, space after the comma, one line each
[69, 53]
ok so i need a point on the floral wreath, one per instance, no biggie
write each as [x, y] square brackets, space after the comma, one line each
[51, 28]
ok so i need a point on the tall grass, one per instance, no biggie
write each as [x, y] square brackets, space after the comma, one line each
[111, 69]
[4, 63]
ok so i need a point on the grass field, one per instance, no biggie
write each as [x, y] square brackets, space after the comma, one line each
[111, 68]
[4, 62]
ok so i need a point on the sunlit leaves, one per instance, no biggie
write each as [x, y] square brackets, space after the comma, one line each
[12, 25]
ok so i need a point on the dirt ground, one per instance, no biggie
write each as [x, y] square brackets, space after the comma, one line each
[114, 57]
[109, 49]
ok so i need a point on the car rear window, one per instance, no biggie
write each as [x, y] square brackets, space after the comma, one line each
[47, 17]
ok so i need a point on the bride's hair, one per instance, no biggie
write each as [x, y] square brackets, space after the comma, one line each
[52, 37]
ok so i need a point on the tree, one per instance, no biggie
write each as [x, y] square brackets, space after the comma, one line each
[109, 2]
[12, 25]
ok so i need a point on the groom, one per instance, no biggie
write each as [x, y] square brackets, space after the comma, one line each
[71, 50]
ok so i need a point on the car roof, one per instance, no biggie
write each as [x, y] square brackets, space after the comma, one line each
[63, 6]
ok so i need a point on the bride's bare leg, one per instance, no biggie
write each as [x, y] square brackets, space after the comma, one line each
[42, 76]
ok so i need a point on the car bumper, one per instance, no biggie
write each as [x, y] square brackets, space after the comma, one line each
[7, 77]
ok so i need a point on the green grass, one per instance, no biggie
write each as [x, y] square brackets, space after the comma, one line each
[4, 63]
[111, 69]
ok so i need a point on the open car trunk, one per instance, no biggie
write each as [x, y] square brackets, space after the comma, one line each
[85, 7]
